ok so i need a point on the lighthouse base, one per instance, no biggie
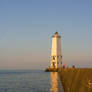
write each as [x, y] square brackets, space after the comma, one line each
[52, 70]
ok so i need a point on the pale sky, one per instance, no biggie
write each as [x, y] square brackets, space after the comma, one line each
[26, 27]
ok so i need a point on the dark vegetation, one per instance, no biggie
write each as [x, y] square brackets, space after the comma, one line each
[76, 80]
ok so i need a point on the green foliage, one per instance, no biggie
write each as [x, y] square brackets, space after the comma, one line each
[76, 80]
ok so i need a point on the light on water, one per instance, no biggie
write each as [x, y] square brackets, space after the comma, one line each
[29, 81]
[55, 83]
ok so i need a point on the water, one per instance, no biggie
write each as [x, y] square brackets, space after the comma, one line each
[29, 81]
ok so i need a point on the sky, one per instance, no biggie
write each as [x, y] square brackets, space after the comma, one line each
[26, 27]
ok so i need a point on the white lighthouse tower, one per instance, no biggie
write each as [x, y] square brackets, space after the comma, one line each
[56, 56]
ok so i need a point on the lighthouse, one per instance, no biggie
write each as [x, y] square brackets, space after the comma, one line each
[56, 56]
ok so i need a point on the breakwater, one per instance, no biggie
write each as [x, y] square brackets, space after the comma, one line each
[52, 69]
[76, 80]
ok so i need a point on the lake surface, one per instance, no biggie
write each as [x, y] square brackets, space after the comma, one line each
[29, 81]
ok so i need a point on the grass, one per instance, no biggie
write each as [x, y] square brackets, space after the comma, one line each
[76, 80]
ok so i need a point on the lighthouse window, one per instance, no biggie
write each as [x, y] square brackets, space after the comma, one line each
[54, 64]
[53, 57]
[57, 62]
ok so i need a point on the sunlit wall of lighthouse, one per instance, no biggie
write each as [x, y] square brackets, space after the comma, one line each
[56, 56]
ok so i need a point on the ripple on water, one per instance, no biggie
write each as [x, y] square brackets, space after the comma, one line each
[29, 81]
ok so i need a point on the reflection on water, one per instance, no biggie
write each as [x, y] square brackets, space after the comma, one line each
[55, 83]
[29, 81]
